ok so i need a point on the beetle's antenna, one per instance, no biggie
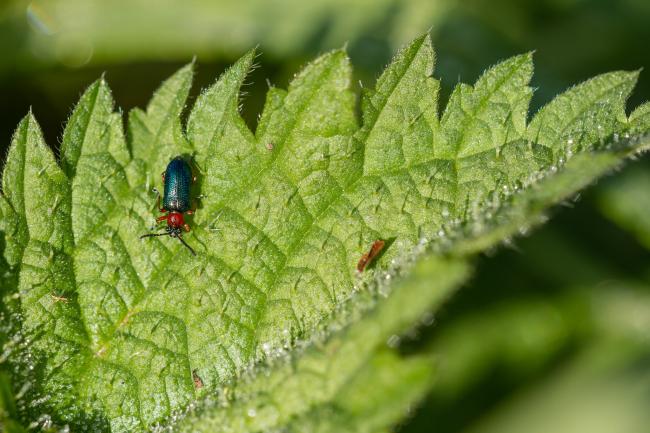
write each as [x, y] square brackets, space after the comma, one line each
[188, 247]
[150, 235]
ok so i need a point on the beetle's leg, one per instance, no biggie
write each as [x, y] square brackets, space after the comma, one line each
[196, 200]
[195, 165]
[186, 227]
[163, 176]
[158, 198]
[190, 212]
[161, 219]
[161, 209]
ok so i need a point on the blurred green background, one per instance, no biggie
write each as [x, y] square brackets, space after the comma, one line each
[553, 333]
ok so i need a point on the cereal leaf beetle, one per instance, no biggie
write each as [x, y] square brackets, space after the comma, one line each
[177, 180]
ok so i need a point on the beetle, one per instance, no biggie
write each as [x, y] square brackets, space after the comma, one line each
[177, 180]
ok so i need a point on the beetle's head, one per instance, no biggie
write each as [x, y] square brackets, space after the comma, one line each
[174, 232]
[175, 226]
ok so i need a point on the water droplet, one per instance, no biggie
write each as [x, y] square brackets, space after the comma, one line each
[393, 341]
[427, 318]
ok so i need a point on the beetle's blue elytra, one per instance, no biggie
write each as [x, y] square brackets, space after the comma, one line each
[177, 180]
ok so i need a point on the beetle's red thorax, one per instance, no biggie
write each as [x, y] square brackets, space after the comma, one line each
[175, 219]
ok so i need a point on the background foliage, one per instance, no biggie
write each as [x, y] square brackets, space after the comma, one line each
[547, 331]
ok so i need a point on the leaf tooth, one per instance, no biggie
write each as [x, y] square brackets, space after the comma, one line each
[12, 178]
[47, 205]
[585, 113]
[400, 116]
[417, 55]
[321, 89]
[175, 87]
[510, 76]
[402, 60]
[514, 72]
[493, 110]
[87, 128]
[158, 131]
[455, 104]
[274, 102]
[208, 117]
[13, 200]
[639, 120]
[314, 69]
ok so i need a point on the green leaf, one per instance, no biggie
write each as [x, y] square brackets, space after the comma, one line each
[210, 30]
[599, 391]
[8, 413]
[322, 374]
[380, 396]
[215, 128]
[543, 337]
[589, 113]
[271, 316]
[640, 119]
[625, 201]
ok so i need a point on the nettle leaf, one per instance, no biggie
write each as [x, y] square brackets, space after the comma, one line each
[271, 326]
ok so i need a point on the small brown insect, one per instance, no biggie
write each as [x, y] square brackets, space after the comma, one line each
[270, 146]
[198, 383]
[368, 257]
[56, 298]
